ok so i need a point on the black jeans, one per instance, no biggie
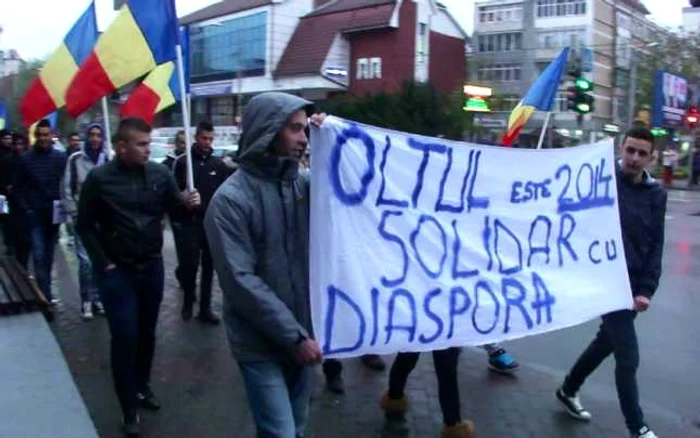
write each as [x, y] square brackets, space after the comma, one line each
[131, 298]
[617, 336]
[195, 248]
[176, 227]
[445, 362]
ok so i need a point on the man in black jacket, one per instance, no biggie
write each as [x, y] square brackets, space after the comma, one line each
[121, 207]
[8, 163]
[176, 227]
[642, 203]
[209, 173]
[37, 193]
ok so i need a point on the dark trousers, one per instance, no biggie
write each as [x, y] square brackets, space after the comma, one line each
[16, 234]
[179, 248]
[445, 362]
[617, 336]
[195, 249]
[43, 237]
[131, 298]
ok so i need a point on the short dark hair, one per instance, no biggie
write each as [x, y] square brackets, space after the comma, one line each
[73, 134]
[44, 124]
[5, 132]
[179, 133]
[204, 126]
[641, 133]
[131, 124]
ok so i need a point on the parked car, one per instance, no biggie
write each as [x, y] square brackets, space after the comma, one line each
[227, 153]
[159, 151]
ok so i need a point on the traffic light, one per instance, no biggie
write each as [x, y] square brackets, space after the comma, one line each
[692, 117]
[578, 96]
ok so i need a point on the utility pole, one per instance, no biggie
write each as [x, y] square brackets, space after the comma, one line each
[632, 103]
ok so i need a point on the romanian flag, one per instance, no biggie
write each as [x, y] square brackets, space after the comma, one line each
[540, 97]
[3, 114]
[47, 92]
[141, 37]
[160, 89]
[153, 95]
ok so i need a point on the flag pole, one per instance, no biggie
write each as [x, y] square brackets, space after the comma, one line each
[544, 129]
[185, 117]
[108, 133]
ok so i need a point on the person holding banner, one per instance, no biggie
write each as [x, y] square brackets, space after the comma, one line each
[394, 401]
[37, 191]
[258, 227]
[121, 208]
[642, 203]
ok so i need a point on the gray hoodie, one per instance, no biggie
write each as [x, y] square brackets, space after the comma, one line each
[257, 225]
[78, 166]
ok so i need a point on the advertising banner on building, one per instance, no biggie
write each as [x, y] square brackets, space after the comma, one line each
[670, 100]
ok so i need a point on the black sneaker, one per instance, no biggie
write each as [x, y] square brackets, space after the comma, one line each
[573, 406]
[335, 384]
[373, 362]
[148, 400]
[208, 317]
[131, 425]
[186, 312]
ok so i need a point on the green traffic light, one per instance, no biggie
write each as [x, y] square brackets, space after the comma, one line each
[583, 108]
[582, 84]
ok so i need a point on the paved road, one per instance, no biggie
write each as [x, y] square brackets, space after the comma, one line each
[203, 395]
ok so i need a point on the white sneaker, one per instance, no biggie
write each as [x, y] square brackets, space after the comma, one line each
[573, 406]
[98, 308]
[87, 310]
[644, 432]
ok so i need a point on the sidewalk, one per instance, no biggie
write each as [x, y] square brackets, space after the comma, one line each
[203, 396]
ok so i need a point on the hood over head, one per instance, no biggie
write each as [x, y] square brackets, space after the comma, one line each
[263, 118]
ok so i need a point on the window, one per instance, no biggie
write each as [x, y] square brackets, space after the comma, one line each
[500, 14]
[222, 111]
[560, 39]
[233, 46]
[499, 72]
[362, 68]
[376, 68]
[500, 42]
[369, 68]
[422, 42]
[560, 8]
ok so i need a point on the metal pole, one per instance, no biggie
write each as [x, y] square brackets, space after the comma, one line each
[544, 130]
[185, 118]
[632, 103]
[108, 132]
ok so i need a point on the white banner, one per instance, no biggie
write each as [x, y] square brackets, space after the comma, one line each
[420, 243]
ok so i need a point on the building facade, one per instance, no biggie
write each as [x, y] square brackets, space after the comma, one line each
[515, 40]
[317, 49]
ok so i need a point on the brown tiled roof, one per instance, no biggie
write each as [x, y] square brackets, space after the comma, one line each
[638, 5]
[312, 39]
[224, 7]
[347, 5]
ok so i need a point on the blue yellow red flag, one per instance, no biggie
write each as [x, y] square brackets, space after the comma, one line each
[540, 97]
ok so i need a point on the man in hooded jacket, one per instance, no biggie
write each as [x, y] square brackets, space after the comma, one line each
[79, 164]
[257, 226]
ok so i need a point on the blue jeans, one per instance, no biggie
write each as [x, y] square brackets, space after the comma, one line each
[616, 336]
[43, 238]
[278, 396]
[131, 298]
[88, 288]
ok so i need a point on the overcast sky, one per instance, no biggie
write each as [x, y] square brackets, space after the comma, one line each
[35, 27]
